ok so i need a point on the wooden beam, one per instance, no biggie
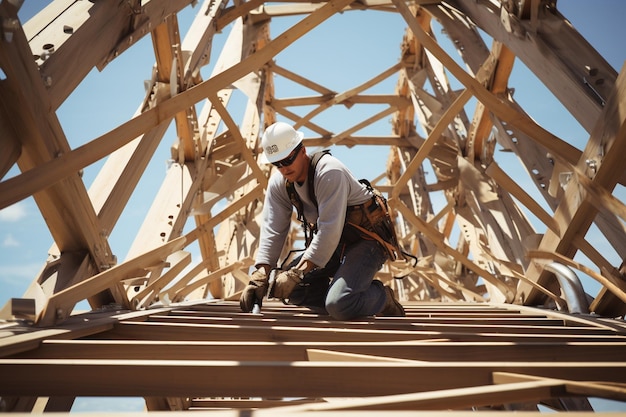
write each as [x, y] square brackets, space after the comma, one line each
[296, 332]
[583, 388]
[440, 326]
[345, 97]
[439, 241]
[501, 108]
[260, 379]
[555, 52]
[59, 306]
[296, 350]
[451, 399]
[27, 108]
[506, 182]
[575, 212]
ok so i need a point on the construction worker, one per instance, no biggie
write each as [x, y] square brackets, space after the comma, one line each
[335, 273]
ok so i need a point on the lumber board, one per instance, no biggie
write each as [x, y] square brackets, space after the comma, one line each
[286, 379]
[586, 388]
[443, 328]
[286, 333]
[451, 399]
[434, 351]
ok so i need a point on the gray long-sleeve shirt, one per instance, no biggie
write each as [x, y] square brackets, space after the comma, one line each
[335, 189]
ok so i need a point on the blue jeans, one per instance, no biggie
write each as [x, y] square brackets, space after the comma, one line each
[353, 291]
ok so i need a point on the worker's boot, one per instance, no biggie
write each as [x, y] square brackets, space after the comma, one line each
[392, 307]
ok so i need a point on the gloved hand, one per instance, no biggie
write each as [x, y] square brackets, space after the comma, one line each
[254, 291]
[285, 282]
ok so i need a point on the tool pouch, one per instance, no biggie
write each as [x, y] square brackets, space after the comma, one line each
[371, 220]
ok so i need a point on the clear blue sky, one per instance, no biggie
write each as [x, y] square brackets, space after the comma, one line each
[106, 99]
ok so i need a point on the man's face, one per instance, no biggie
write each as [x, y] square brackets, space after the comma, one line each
[295, 166]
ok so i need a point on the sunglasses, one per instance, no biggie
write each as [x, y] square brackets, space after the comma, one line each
[289, 159]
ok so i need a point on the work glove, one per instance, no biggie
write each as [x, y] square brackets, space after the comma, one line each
[254, 291]
[285, 282]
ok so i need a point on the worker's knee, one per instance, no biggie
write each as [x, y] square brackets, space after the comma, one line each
[340, 308]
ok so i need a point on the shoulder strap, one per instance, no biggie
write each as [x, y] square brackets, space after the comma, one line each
[295, 198]
[315, 158]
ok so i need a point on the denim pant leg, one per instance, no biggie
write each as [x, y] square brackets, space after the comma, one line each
[353, 291]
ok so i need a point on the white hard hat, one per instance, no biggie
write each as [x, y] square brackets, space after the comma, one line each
[279, 140]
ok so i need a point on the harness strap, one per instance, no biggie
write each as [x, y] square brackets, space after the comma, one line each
[391, 249]
[309, 228]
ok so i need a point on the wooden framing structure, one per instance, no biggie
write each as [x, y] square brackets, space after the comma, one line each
[496, 317]
[287, 361]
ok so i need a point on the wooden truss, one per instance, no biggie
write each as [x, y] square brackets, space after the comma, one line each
[496, 316]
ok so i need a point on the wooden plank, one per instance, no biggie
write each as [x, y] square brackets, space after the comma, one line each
[255, 193]
[296, 78]
[296, 351]
[276, 379]
[480, 129]
[11, 144]
[27, 339]
[452, 399]
[87, 36]
[580, 319]
[55, 35]
[166, 42]
[442, 124]
[325, 355]
[443, 328]
[583, 388]
[416, 319]
[245, 151]
[361, 125]
[200, 281]
[293, 333]
[118, 178]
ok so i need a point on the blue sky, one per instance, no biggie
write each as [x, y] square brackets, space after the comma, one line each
[106, 99]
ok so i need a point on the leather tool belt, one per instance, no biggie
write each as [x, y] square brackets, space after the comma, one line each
[371, 220]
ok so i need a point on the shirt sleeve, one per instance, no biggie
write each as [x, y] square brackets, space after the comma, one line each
[277, 211]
